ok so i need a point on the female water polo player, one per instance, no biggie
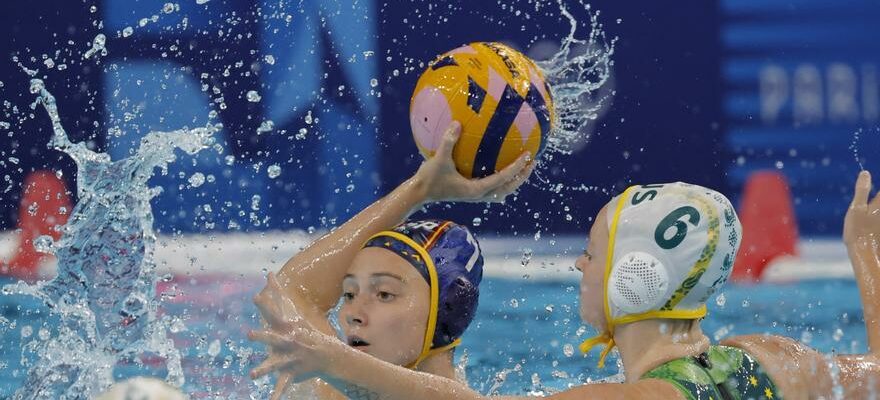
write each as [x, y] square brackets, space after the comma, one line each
[409, 291]
[656, 254]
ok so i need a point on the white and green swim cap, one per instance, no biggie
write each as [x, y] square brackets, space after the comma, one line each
[670, 247]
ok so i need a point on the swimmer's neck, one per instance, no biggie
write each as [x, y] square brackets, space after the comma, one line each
[439, 364]
[644, 345]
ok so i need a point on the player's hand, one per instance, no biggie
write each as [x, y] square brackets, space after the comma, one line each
[439, 180]
[862, 222]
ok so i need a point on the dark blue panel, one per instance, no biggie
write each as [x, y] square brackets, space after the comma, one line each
[801, 79]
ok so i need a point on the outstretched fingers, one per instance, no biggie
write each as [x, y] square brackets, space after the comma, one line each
[280, 385]
[862, 190]
[510, 173]
[448, 141]
[875, 203]
[271, 364]
[273, 339]
[510, 187]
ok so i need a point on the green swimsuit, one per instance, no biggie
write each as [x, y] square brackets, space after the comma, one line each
[722, 373]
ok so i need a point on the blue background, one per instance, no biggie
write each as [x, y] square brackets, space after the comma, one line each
[706, 92]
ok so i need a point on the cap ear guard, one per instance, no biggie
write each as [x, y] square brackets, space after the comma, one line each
[639, 282]
[456, 310]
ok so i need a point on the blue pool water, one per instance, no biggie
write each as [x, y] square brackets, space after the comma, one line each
[520, 322]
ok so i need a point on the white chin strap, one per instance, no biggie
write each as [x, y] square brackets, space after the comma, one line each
[638, 283]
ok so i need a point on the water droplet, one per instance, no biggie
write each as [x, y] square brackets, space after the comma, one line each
[37, 86]
[560, 374]
[269, 59]
[127, 31]
[266, 126]
[349, 188]
[273, 171]
[526, 257]
[98, 45]
[374, 82]
[255, 202]
[514, 303]
[302, 133]
[806, 337]
[202, 1]
[308, 117]
[838, 334]
[177, 325]
[536, 380]
[721, 300]
[27, 331]
[197, 179]
[44, 244]
[253, 96]
[722, 332]
[568, 350]
[477, 221]
[169, 8]
[214, 348]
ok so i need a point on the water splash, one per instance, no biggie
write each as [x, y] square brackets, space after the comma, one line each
[854, 146]
[580, 76]
[461, 366]
[99, 46]
[575, 74]
[500, 378]
[104, 293]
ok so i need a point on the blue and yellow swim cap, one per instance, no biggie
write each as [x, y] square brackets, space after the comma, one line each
[448, 256]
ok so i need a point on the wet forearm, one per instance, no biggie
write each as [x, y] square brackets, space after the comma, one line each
[315, 274]
[361, 376]
[864, 253]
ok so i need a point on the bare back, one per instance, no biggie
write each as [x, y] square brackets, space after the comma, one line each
[804, 373]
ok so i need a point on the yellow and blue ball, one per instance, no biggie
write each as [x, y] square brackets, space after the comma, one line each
[499, 96]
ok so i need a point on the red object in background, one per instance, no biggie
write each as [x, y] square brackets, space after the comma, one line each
[44, 205]
[769, 226]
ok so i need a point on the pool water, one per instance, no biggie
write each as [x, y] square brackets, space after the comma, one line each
[525, 330]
